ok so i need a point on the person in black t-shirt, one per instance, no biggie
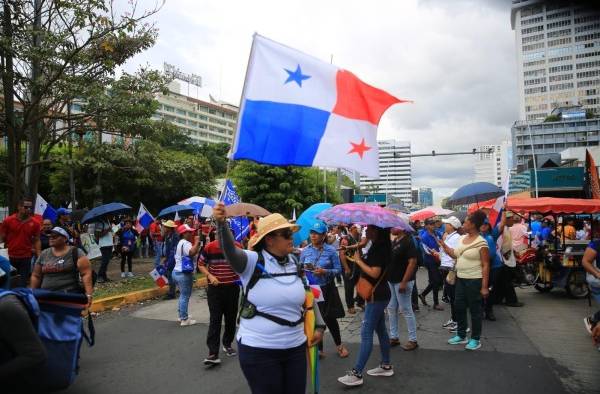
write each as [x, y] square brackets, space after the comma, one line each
[373, 269]
[401, 279]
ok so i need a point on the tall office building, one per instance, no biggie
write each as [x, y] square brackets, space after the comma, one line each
[425, 197]
[492, 165]
[394, 171]
[202, 121]
[558, 55]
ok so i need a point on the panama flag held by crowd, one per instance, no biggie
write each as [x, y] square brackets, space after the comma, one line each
[298, 110]
[43, 210]
[144, 219]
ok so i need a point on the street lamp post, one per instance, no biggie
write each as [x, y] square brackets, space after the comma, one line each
[535, 177]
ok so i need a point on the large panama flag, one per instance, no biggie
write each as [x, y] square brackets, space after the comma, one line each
[298, 110]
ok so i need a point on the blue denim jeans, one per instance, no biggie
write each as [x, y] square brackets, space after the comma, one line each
[374, 320]
[185, 282]
[403, 302]
[158, 245]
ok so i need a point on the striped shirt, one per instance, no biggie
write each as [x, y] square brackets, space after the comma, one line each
[212, 257]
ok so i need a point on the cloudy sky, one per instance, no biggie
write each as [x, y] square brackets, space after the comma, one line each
[455, 59]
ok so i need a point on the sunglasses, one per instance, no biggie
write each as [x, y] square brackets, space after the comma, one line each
[287, 234]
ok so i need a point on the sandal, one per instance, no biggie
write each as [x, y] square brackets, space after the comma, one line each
[342, 351]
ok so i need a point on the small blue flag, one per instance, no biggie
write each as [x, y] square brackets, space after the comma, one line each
[239, 224]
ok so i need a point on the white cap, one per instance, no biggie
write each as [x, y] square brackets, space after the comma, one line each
[453, 221]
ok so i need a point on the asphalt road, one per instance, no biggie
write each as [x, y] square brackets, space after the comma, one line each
[135, 355]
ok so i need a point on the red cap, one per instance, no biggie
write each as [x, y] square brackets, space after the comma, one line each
[184, 228]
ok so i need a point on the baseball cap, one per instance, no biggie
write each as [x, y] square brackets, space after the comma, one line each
[429, 221]
[63, 211]
[60, 231]
[184, 228]
[319, 227]
[453, 221]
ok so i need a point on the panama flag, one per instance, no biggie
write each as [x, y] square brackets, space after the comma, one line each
[160, 279]
[298, 110]
[144, 219]
[43, 210]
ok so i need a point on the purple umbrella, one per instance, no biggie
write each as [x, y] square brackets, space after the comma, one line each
[363, 214]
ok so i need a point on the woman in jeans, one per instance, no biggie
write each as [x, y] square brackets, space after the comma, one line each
[271, 339]
[185, 280]
[472, 274]
[373, 269]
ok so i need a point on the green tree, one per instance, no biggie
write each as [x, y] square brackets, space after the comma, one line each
[55, 53]
[282, 189]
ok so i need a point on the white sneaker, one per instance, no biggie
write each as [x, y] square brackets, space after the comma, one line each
[123, 274]
[381, 371]
[455, 329]
[187, 322]
[130, 274]
[448, 323]
[189, 317]
[351, 379]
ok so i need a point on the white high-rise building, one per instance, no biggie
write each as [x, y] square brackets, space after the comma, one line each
[394, 171]
[493, 165]
[558, 55]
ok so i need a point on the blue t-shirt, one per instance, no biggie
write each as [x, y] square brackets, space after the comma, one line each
[326, 258]
[128, 238]
[546, 233]
[536, 226]
[495, 260]
[430, 242]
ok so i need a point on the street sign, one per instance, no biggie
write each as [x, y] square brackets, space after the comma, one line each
[375, 197]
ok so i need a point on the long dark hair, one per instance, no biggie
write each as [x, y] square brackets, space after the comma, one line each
[383, 240]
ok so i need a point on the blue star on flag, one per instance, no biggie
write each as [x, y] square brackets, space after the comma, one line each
[296, 76]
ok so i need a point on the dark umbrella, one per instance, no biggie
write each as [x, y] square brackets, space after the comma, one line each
[245, 209]
[114, 208]
[460, 215]
[475, 192]
[177, 208]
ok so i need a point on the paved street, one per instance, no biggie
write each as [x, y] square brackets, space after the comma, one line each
[541, 348]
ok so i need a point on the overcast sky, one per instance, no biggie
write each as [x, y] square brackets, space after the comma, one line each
[456, 60]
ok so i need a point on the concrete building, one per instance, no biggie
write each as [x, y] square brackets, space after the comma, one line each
[201, 120]
[394, 171]
[538, 138]
[493, 166]
[425, 197]
[415, 196]
[558, 55]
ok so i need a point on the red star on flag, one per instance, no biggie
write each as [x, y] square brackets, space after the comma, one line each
[359, 148]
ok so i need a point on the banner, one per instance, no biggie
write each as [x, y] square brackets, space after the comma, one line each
[89, 243]
[240, 224]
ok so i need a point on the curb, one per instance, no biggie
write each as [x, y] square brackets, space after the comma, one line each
[108, 303]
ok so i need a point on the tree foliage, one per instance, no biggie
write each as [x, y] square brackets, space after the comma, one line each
[55, 53]
[282, 189]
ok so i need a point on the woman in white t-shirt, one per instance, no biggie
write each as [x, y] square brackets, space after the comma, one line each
[271, 338]
[183, 278]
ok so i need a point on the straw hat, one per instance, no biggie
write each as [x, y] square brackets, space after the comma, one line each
[169, 223]
[269, 224]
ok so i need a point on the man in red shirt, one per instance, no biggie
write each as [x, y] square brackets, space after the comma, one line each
[157, 240]
[223, 295]
[21, 234]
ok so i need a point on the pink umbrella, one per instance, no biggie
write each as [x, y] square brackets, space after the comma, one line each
[422, 215]
[363, 214]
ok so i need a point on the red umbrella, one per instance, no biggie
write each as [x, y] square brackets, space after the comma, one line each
[422, 215]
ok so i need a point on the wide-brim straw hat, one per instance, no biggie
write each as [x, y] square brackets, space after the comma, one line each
[268, 224]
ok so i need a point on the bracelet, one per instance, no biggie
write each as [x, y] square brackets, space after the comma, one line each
[88, 295]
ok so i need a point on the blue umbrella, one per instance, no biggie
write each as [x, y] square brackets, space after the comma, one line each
[114, 208]
[475, 192]
[306, 221]
[177, 208]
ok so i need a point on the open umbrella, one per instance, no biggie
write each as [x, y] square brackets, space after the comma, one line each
[422, 215]
[439, 211]
[202, 206]
[177, 208]
[113, 208]
[460, 215]
[245, 209]
[475, 192]
[307, 219]
[363, 214]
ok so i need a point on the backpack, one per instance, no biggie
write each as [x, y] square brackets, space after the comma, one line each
[248, 310]
[57, 319]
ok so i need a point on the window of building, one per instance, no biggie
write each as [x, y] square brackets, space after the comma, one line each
[527, 40]
[593, 82]
[595, 63]
[180, 120]
[559, 51]
[560, 77]
[589, 101]
[192, 115]
[531, 10]
[180, 111]
[539, 89]
[587, 37]
[587, 18]
[534, 63]
[559, 41]
[169, 108]
[535, 73]
[559, 33]
[534, 29]
[580, 29]
[561, 68]
[557, 15]
[534, 56]
[560, 59]
[535, 81]
[554, 25]
[532, 21]
[587, 54]
[533, 47]
[588, 74]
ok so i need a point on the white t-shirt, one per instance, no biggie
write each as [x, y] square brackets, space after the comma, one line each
[182, 246]
[280, 296]
[106, 239]
[452, 242]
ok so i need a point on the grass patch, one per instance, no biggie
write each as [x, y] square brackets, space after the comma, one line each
[128, 285]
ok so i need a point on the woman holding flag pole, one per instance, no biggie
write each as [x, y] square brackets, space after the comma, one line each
[271, 338]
